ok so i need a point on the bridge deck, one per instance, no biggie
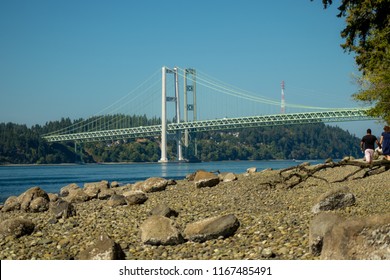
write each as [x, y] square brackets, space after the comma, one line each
[341, 115]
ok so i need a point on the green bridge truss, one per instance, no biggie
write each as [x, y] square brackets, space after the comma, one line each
[341, 115]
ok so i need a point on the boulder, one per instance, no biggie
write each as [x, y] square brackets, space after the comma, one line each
[53, 197]
[163, 210]
[11, 204]
[64, 191]
[77, 196]
[105, 194]
[28, 196]
[365, 238]
[103, 248]
[321, 224]
[39, 204]
[94, 188]
[116, 200]
[159, 230]
[16, 227]
[62, 209]
[212, 228]
[227, 177]
[135, 197]
[153, 184]
[251, 170]
[205, 179]
[334, 199]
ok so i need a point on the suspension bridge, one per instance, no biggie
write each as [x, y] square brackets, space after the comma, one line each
[99, 129]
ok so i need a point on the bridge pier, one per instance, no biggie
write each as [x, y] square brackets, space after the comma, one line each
[163, 116]
[164, 100]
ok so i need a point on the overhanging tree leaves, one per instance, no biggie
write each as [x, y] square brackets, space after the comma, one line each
[367, 34]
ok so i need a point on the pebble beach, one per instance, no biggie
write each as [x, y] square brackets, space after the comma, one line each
[274, 219]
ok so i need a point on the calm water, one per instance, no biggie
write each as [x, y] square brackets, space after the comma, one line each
[14, 180]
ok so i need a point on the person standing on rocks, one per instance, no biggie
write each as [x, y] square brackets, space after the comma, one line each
[385, 142]
[367, 144]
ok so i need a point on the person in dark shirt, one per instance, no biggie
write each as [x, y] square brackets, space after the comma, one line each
[385, 142]
[368, 145]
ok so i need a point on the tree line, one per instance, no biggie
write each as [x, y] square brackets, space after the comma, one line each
[20, 144]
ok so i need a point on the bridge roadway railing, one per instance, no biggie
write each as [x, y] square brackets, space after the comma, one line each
[341, 115]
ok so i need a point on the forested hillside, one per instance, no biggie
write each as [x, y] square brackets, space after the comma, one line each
[20, 144]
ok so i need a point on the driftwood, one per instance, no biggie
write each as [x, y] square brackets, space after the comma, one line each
[293, 176]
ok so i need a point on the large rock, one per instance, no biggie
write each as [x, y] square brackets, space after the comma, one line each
[105, 194]
[16, 227]
[321, 225]
[334, 199]
[103, 248]
[251, 170]
[64, 191]
[212, 228]
[227, 177]
[159, 230]
[135, 197]
[77, 196]
[39, 204]
[62, 209]
[153, 184]
[26, 198]
[163, 210]
[205, 179]
[365, 238]
[11, 204]
[116, 200]
[94, 188]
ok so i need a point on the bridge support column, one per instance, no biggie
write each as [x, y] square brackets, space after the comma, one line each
[188, 106]
[177, 103]
[163, 117]
[164, 100]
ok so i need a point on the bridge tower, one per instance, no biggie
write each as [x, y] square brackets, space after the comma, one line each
[164, 100]
[189, 87]
[282, 104]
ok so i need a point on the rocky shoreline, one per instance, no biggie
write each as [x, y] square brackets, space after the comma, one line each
[298, 213]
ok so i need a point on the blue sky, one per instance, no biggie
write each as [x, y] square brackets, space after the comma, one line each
[72, 58]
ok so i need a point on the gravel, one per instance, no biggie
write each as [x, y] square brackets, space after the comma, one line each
[274, 220]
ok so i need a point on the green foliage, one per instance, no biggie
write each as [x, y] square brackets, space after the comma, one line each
[309, 141]
[367, 34]
[22, 145]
